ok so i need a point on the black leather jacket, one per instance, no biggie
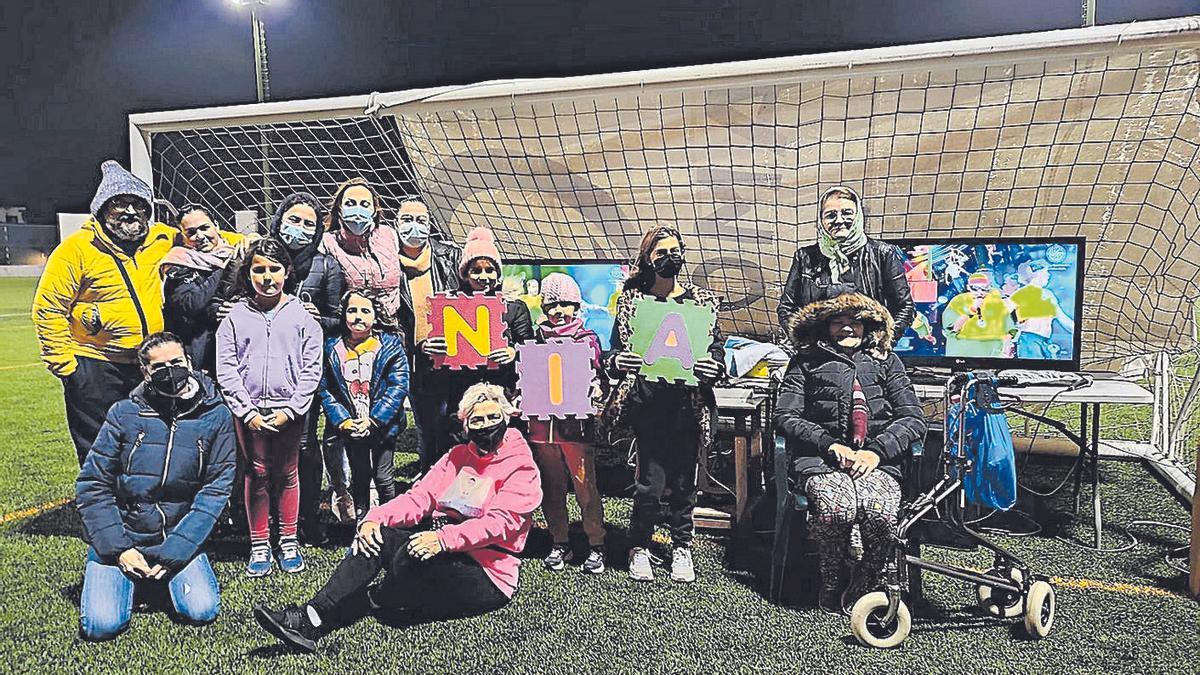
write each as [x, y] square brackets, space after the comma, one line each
[876, 270]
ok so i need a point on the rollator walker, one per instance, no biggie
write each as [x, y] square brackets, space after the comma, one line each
[1010, 589]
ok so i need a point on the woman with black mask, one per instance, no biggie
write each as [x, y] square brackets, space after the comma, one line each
[317, 281]
[671, 422]
[479, 499]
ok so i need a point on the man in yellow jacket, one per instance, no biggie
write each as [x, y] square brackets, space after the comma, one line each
[99, 296]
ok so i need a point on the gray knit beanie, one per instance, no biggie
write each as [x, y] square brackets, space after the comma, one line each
[114, 181]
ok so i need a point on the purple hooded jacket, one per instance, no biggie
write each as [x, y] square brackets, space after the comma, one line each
[269, 362]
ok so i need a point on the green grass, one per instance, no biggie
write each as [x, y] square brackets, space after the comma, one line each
[565, 622]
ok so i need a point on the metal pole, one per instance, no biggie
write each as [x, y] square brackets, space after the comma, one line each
[1088, 12]
[262, 81]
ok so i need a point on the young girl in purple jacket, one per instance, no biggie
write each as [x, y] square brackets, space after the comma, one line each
[268, 367]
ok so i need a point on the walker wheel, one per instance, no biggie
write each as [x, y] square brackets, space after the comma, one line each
[1005, 604]
[866, 621]
[1039, 610]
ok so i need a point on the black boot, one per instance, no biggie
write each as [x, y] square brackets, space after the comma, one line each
[291, 626]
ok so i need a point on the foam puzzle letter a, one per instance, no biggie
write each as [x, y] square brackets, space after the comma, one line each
[473, 326]
[671, 336]
[555, 379]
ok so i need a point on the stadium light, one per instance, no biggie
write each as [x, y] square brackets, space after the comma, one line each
[262, 76]
[262, 81]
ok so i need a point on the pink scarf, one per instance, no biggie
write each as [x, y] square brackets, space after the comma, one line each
[213, 260]
[572, 330]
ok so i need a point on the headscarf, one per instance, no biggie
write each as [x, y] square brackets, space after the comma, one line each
[839, 252]
[301, 257]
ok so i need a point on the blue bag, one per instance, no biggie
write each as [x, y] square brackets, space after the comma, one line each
[992, 481]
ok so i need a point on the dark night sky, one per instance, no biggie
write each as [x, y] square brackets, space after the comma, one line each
[72, 71]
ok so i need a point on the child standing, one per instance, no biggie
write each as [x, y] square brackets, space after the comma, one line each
[561, 447]
[362, 390]
[268, 367]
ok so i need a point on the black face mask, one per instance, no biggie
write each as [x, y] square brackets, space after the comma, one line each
[487, 439]
[171, 381]
[668, 265]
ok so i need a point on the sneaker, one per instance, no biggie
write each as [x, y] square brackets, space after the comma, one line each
[291, 626]
[290, 560]
[594, 564]
[557, 560]
[261, 562]
[640, 568]
[343, 507]
[681, 565]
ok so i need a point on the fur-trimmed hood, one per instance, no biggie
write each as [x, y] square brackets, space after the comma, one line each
[810, 324]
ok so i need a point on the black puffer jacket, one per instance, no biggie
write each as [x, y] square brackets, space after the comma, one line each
[814, 405]
[876, 271]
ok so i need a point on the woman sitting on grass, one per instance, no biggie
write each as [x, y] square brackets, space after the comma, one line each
[479, 497]
[849, 414]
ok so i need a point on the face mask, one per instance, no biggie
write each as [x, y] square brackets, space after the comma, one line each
[487, 439]
[294, 236]
[171, 381]
[357, 218]
[668, 265]
[414, 234]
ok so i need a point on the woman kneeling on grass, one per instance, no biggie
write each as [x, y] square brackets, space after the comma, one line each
[849, 414]
[479, 497]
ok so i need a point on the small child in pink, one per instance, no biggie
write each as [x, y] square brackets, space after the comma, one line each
[562, 448]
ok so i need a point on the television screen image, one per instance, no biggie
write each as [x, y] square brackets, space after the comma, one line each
[994, 303]
[599, 284]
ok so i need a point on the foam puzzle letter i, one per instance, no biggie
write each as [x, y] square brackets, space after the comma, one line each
[555, 379]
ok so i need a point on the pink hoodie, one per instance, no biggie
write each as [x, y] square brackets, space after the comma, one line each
[507, 488]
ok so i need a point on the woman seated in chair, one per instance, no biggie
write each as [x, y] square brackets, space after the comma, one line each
[849, 414]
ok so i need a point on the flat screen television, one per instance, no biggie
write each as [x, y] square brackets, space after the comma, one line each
[994, 303]
[599, 284]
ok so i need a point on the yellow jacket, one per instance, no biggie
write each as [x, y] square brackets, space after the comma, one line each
[93, 300]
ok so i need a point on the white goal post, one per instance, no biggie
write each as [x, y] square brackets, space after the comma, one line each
[1089, 132]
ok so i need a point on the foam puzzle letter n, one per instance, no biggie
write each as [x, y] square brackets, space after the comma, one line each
[671, 336]
[555, 379]
[473, 326]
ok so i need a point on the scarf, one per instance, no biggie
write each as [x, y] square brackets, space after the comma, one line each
[859, 415]
[839, 252]
[182, 256]
[571, 330]
[415, 267]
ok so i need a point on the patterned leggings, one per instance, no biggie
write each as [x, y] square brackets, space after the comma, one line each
[837, 503]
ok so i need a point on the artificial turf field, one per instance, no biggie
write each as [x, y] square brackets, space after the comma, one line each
[1117, 612]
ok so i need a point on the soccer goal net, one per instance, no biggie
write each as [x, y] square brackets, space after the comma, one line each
[1087, 132]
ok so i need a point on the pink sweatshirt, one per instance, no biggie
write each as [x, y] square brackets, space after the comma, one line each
[500, 490]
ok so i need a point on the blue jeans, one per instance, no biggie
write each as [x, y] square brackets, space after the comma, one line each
[107, 602]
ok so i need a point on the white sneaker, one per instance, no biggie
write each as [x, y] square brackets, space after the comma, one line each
[681, 565]
[639, 565]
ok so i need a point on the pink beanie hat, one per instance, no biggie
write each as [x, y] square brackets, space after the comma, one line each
[558, 287]
[481, 243]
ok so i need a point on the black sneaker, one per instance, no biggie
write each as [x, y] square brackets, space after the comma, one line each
[291, 626]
